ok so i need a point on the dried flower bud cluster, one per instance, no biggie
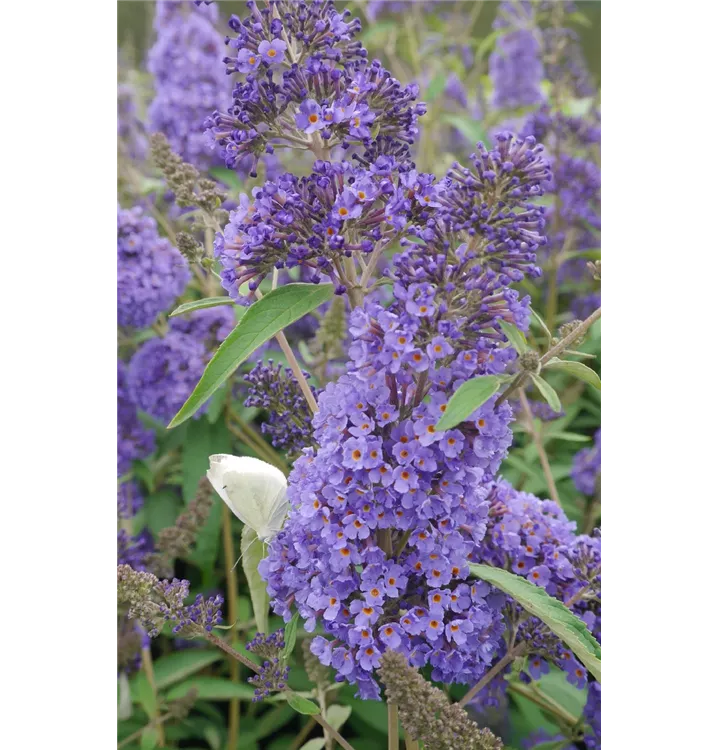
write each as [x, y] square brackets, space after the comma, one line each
[427, 714]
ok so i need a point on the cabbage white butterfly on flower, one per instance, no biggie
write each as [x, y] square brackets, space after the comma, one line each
[255, 491]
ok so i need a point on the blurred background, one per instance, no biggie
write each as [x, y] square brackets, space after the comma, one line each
[134, 24]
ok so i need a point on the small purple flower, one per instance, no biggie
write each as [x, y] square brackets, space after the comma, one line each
[272, 52]
[247, 61]
[309, 117]
[390, 634]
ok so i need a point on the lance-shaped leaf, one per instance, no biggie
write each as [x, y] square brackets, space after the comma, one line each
[577, 369]
[265, 318]
[290, 635]
[302, 705]
[516, 338]
[201, 304]
[252, 550]
[553, 613]
[468, 397]
[547, 392]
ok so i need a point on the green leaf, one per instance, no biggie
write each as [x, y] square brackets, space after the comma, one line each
[290, 635]
[252, 551]
[534, 599]
[317, 743]
[216, 405]
[263, 319]
[577, 369]
[149, 739]
[469, 397]
[180, 664]
[212, 688]
[516, 338]
[201, 304]
[337, 715]
[467, 126]
[547, 392]
[228, 176]
[541, 323]
[145, 696]
[161, 510]
[570, 437]
[437, 85]
[204, 439]
[302, 705]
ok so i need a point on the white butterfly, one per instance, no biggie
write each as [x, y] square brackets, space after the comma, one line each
[255, 491]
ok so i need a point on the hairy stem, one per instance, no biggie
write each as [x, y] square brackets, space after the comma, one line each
[233, 729]
[538, 442]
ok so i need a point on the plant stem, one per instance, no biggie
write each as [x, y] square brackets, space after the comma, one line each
[538, 442]
[136, 735]
[393, 717]
[500, 665]
[303, 734]
[537, 696]
[562, 345]
[212, 638]
[254, 440]
[150, 674]
[243, 436]
[409, 743]
[296, 369]
[233, 729]
[575, 334]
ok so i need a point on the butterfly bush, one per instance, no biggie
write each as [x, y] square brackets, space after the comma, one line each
[307, 83]
[151, 273]
[189, 78]
[386, 510]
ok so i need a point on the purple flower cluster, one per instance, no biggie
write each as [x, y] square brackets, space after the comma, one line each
[273, 673]
[289, 421]
[516, 67]
[386, 511]
[314, 222]
[592, 716]
[190, 82]
[489, 225]
[565, 63]
[307, 83]
[587, 466]
[164, 370]
[534, 538]
[151, 273]
[134, 441]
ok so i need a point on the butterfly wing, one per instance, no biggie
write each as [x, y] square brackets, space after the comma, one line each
[279, 510]
[255, 491]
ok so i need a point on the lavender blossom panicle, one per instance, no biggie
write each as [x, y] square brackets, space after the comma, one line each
[274, 672]
[587, 467]
[592, 717]
[134, 441]
[308, 82]
[382, 465]
[153, 602]
[151, 273]
[533, 538]
[315, 222]
[164, 370]
[516, 66]
[190, 82]
[276, 390]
